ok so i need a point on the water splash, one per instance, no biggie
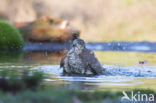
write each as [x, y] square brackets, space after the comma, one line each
[111, 70]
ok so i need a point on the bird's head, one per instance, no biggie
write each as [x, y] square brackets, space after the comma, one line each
[79, 44]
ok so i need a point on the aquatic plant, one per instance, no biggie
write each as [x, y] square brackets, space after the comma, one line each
[10, 38]
[51, 94]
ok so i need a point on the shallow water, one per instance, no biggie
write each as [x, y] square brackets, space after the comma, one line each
[124, 70]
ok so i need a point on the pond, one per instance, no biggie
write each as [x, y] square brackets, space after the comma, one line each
[129, 68]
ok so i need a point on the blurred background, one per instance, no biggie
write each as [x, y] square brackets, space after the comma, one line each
[98, 20]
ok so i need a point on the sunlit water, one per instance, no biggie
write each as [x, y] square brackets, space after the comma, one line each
[124, 70]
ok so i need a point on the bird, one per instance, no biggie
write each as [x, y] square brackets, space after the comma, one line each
[80, 61]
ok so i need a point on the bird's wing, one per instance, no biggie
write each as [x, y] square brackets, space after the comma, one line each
[62, 61]
[93, 62]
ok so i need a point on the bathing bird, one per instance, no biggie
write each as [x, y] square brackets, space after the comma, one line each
[80, 61]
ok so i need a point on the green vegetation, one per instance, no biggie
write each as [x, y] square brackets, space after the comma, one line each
[10, 38]
[56, 95]
[64, 95]
[14, 80]
[26, 86]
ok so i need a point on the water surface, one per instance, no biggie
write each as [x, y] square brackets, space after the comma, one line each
[124, 70]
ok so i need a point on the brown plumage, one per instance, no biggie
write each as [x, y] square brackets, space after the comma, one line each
[80, 60]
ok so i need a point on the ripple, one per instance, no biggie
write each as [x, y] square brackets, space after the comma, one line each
[114, 76]
[111, 70]
[141, 48]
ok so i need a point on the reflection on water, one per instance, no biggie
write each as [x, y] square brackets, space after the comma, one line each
[14, 56]
[40, 58]
[126, 58]
[30, 58]
[123, 69]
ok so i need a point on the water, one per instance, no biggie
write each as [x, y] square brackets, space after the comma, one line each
[124, 69]
[106, 46]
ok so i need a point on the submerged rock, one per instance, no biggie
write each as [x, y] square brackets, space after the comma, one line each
[47, 29]
[79, 60]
